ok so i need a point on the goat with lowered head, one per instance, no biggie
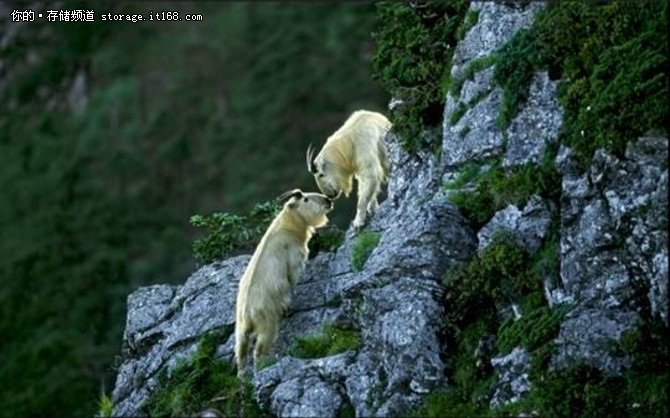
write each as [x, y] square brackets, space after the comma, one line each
[355, 150]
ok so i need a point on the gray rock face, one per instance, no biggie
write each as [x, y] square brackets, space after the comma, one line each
[536, 124]
[164, 324]
[513, 381]
[496, 25]
[422, 237]
[476, 135]
[614, 229]
[590, 335]
[613, 250]
[528, 226]
[394, 302]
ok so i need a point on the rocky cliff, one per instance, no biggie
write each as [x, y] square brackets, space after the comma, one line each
[611, 222]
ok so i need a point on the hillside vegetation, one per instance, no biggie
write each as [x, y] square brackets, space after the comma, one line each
[181, 118]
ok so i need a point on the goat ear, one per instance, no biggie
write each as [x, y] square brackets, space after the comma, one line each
[287, 195]
[309, 159]
[292, 205]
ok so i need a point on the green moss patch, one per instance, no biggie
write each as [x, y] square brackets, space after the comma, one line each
[331, 341]
[447, 403]
[466, 175]
[517, 61]
[346, 410]
[498, 276]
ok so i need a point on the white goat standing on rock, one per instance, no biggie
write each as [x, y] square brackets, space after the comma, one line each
[357, 150]
[264, 292]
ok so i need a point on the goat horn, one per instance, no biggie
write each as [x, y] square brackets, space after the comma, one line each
[289, 194]
[309, 158]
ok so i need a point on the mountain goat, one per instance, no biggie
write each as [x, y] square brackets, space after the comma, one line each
[357, 150]
[264, 292]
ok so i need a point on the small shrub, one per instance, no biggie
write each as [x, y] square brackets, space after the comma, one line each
[493, 278]
[365, 243]
[612, 58]
[532, 330]
[346, 410]
[331, 341]
[447, 403]
[476, 206]
[230, 234]
[625, 96]
[581, 390]
[516, 63]
[467, 174]
[199, 383]
[496, 188]
[474, 66]
[413, 61]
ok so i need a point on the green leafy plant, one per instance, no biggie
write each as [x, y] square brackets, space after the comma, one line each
[105, 406]
[202, 382]
[230, 233]
[331, 341]
[447, 403]
[474, 296]
[496, 277]
[363, 246]
[581, 390]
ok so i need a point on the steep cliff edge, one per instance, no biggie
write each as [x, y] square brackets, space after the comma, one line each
[435, 306]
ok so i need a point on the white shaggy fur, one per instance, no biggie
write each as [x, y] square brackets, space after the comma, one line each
[264, 292]
[357, 150]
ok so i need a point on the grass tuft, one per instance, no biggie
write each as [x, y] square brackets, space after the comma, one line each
[365, 243]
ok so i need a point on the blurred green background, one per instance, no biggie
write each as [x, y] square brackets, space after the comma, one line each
[112, 134]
